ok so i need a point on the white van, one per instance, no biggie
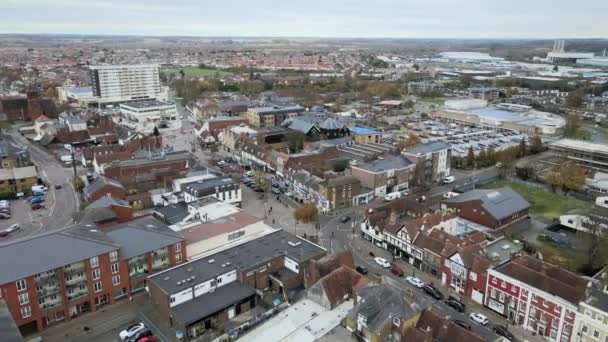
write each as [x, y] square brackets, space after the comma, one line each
[392, 196]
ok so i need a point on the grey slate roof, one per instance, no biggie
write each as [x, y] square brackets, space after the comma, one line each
[298, 125]
[141, 236]
[388, 163]
[107, 201]
[243, 256]
[428, 148]
[500, 203]
[99, 183]
[8, 329]
[597, 299]
[51, 250]
[94, 215]
[173, 213]
[210, 303]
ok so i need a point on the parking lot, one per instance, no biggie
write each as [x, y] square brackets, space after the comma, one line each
[30, 221]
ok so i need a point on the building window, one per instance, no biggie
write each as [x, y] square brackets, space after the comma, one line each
[94, 262]
[584, 329]
[178, 247]
[21, 285]
[26, 312]
[114, 268]
[178, 258]
[96, 274]
[23, 298]
[113, 256]
[97, 286]
[596, 334]
[115, 280]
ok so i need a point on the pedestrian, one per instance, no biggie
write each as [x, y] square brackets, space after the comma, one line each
[272, 221]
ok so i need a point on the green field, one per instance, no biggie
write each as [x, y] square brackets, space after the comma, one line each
[544, 203]
[435, 100]
[193, 71]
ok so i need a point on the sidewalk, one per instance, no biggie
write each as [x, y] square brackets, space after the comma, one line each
[362, 248]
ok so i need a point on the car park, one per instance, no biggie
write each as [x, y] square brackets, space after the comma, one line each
[503, 331]
[131, 330]
[415, 282]
[396, 270]
[361, 269]
[455, 304]
[478, 318]
[382, 262]
[432, 291]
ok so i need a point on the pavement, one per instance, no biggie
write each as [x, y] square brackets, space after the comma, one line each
[61, 204]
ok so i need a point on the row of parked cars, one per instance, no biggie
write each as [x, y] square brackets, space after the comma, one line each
[433, 292]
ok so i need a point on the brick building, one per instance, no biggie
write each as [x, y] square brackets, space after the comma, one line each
[340, 191]
[103, 186]
[383, 176]
[435, 158]
[65, 273]
[497, 208]
[205, 293]
[272, 116]
[541, 297]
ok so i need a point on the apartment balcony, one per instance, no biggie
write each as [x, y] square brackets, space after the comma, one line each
[77, 296]
[73, 270]
[75, 280]
[51, 305]
[50, 280]
[159, 263]
[43, 277]
[48, 291]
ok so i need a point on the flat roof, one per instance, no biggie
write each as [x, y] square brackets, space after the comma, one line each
[179, 155]
[387, 163]
[242, 256]
[580, 145]
[146, 104]
[362, 130]
[278, 110]
[119, 66]
[202, 306]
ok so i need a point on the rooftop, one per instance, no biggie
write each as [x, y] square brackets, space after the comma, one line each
[278, 110]
[146, 104]
[362, 130]
[389, 162]
[427, 148]
[499, 203]
[243, 256]
[586, 146]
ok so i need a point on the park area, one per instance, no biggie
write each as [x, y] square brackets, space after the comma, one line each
[195, 71]
[545, 204]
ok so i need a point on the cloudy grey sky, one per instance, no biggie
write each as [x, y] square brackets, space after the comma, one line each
[311, 18]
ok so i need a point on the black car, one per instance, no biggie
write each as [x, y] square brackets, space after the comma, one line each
[361, 269]
[455, 304]
[256, 189]
[503, 331]
[462, 324]
[344, 219]
[58, 186]
[432, 291]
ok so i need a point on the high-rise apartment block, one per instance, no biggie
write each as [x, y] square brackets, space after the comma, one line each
[118, 83]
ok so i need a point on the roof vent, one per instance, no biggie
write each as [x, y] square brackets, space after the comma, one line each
[179, 283]
[193, 277]
[189, 279]
[294, 244]
[228, 264]
[189, 269]
[211, 261]
[166, 278]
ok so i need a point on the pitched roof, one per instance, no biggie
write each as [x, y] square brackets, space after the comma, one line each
[427, 148]
[546, 277]
[99, 183]
[222, 225]
[388, 162]
[499, 203]
[142, 235]
[340, 283]
[444, 330]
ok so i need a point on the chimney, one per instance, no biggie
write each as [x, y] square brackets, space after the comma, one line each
[393, 218]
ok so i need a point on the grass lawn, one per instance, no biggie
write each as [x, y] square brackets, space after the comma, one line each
[544, 203]
[435, 100]
[194, 71]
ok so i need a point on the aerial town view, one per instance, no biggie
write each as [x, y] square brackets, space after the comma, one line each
[415, 171]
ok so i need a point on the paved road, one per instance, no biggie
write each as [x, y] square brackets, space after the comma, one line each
[61, 203]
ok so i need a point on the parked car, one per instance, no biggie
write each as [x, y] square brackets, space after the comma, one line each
[37, 200]
[276, 191]
[5, 216]
[449, 180]
[478, 318]
[462, 324]
[396, 270]
[6, 210]
[151, 338]
[131, 331]
[382, 262]
[37, 206]
[503, 331]
[257, 189]
[140, 335]
[392, 196]
[344, 219]
[361, 269]
[455, 304]
[58, 186]
[10, 229]
[415, 282]
[432, 291]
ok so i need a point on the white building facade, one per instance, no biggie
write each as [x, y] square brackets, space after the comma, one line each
[144, 116]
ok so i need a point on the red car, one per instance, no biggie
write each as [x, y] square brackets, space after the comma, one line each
[147, 339]
[37, 206]
[396, 270]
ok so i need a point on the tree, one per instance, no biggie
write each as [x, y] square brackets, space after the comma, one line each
[419, 177]
[574, 100]
[526, 172]
[213, 148]
[295, 142]
[552, 179]
[491, 155]
[471, 157]
[522, 150]
[594, 242]
[573, 124]
[537, 145]
[505, 168]
[412, 140]
[307, 213]
[182, 73]
[571, 177]
[340, 165]
[482, 158]
[52, 92]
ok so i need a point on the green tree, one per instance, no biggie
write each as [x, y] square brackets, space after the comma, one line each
[307, 213]
[340, 165]
[522, 149]
[482, 158]
[295, 142]
[491, 155]
[571, 177]
[574, 100]
[156, 132]
[573, 124]
[471, 157]
[537, 145]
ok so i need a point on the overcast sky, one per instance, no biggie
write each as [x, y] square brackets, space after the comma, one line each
[311, 18]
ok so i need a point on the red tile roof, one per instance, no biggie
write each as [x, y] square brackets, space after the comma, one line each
[224, 225]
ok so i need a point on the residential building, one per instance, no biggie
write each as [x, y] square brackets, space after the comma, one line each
[541, 297]
[316, 126]
[121, 83]
[384, 175]
[64, 273]
[383, 310]
[225, 189]
[17, 179]
[13, 155]
[435, 158]
[105, 211]
[211, 131]
[144, 116]
[205, 293]
[423, 87]
[364, 135]
[587, 154]
[339, 191]
[104, 186]
[484, 93]
[497, 208]
[592, 318]
[433, 327]
[272, 116]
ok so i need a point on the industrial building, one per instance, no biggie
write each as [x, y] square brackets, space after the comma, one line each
[470, 57]
[144, 116]
[586, 154]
